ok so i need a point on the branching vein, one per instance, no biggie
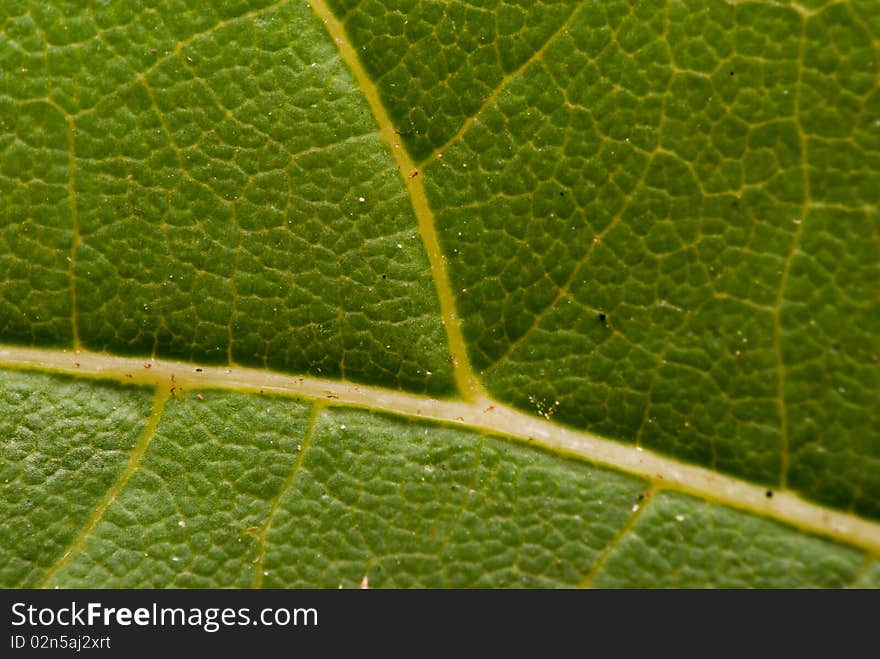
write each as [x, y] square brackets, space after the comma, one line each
[495, 418]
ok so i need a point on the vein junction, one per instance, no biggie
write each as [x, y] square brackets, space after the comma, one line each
[171, 378]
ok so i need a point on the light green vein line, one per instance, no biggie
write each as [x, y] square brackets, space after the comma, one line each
[463, 505]
[581, 264]
[74, 213]
[781, 410]
[233, 284]
[180, 45]
[505, 82]
[74, 222]
[620, 535]
[285, 487]
[489, 416]
[468, 384]
[134, 461]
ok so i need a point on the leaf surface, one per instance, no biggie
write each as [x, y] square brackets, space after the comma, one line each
[642, 241]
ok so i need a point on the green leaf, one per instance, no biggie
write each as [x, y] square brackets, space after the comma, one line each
[437, 294]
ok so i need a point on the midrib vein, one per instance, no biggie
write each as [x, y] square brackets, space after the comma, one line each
[131, 466]
[468, 384]
[482, 415]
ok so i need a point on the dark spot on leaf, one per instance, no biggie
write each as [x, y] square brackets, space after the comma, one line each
[384, 276]
[603, 318]
[198, 370]
[731, 73]
[769, 494]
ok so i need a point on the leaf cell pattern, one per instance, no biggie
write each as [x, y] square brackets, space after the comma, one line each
[657, 225]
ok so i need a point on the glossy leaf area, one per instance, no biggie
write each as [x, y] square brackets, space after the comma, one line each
[655, 224]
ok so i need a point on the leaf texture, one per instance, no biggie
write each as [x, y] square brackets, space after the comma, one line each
[655, 225]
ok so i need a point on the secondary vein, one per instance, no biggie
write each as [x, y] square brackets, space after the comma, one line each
[259, 572]
[97, 515]
[505, 82]
[468, 384]
[622, 532]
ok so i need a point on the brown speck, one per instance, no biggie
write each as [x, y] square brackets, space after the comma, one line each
[129, 375]
[414, 173]
[331, 394]
[769, 494]
[148, 366]
[76, 364]
[489, 409]
[459, 418]
[198, 370]
[454, 360]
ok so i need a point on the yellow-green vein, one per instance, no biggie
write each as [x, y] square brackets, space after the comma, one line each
[488, 416]
[781, 411]
[622, 532]
[468, 384]
[505, 81]
[259, 571]
[131, 467]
